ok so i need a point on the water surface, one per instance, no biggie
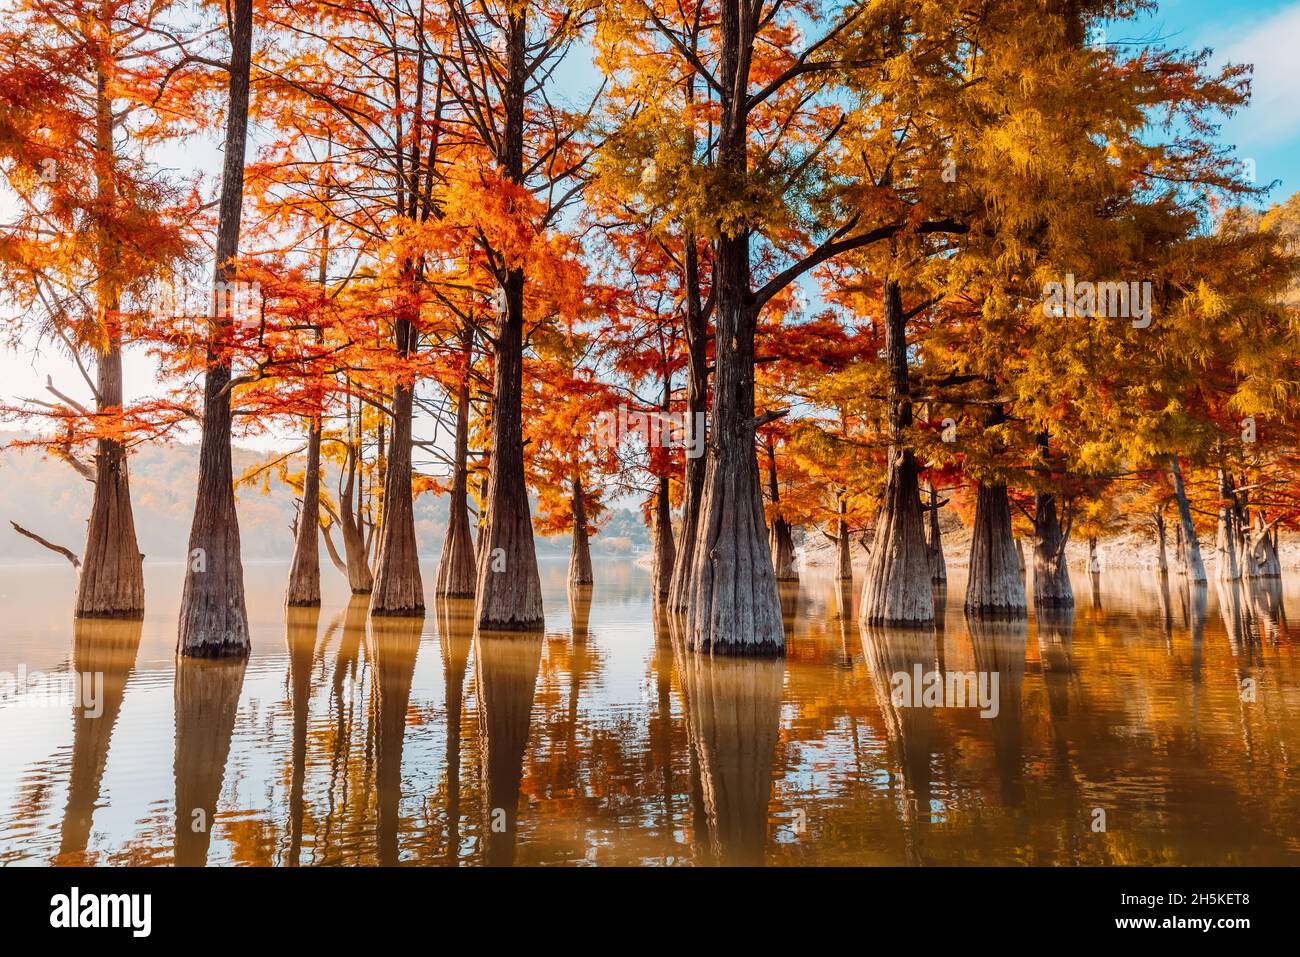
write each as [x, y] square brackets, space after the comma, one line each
[348, 741]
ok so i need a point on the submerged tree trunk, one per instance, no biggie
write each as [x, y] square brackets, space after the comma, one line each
[399, 589]
[1162, 560]
[897, 588]
[697, 400]
[1052, 588]
[361, 579]
[456, 567]
[1265, 546]
[580, 556]
[665, 551]
[843, 551]
[996, 587]
[938, 567]
[1189, 552]
[112, 570]
[782, 540]
[509, 588]
[734, 604]
[304, 572]
[111, 584]
[1225, 548]
[213, 618]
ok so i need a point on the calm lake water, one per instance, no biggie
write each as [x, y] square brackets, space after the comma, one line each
[343, 741]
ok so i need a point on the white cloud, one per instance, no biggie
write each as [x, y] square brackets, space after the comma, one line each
[1273, 46]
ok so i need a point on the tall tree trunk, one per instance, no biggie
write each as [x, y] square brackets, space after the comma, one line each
[1189, 552]
[1225, 549]
[697, 400]
[782, 541]
[304, 572]
[112, 570]
[938, 567]
[111, 584]
[361, 579]
[213, 618]
[580, 556]
[1265, 545]
[996, 587]
[843, 548]
[1052, 587]
[897, 589]
[399, 588]
[665, 550]
[456, 567]
[509, 588]
[1162, 559]
[734, 604]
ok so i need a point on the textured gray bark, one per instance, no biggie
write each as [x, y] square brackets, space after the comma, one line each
[1225, 548]
[782, 543]
[665, 552]
[111, 584]
[934, 540]
[509, 588]
[304, 570]
[1052, 588]
[213, 617]
[697, 390]
[897, 587]
[399, 587]
[456, 566]
[1189, 551]
[996, 587]
[580, 554]
[734, 605]
[1162, 558]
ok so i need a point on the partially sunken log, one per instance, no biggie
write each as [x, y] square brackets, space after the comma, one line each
[580, 556]
[1052, 588]
[897, 588]
[996, 588]
[304, 571]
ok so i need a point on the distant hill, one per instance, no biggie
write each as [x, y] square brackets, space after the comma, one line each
[47, 497]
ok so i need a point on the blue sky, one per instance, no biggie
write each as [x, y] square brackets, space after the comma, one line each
[1265, 33]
